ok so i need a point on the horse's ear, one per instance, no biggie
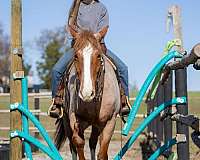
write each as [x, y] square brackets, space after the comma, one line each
[73, 31]
[101, 34]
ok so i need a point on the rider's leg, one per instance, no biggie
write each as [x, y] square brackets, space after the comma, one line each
[122, 69]
[123, 75]
[57, 74]
[59, 69]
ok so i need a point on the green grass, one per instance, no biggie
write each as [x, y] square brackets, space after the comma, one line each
[193, 94]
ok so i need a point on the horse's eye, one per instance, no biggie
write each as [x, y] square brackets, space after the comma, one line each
[99, 56]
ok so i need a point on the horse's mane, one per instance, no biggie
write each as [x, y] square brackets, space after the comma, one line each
[83, 39]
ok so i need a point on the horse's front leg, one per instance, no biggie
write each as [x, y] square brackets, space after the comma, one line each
[78, 128]
[78, 140]
[105, 138]
[93, 141]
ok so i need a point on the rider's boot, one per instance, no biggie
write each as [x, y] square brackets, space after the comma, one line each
[125, 109]
[56, 108]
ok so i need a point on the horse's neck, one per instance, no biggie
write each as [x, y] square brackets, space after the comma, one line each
[72, 80]
[109, 66]
[110, 74]
[111, 93]
[111, 63]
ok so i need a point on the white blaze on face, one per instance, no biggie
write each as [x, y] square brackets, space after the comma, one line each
[87, 81]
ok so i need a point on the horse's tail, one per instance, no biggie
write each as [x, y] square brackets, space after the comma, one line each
[60, 134]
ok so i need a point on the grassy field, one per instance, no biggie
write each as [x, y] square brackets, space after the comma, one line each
[194, 108]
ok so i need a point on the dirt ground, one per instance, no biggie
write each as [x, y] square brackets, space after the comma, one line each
[134, 153]
[114, 148]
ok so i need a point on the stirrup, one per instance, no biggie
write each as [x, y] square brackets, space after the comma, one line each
[61, 115]
[128, 103]
[125, 109]
[49, 110]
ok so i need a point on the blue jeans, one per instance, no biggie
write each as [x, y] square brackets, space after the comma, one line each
[60, 67]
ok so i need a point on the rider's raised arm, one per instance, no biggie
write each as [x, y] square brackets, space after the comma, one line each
[72, 15]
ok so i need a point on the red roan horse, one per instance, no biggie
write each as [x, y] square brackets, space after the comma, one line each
[93, 97]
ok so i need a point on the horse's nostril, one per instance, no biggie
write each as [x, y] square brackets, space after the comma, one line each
[80, 95]
[92, 94]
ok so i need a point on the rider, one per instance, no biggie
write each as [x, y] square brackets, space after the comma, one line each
[192, 58]
[91, 15]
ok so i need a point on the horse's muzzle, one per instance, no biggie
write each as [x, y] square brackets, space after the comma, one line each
[87, 97]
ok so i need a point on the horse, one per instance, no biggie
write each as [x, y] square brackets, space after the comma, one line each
[92, 97]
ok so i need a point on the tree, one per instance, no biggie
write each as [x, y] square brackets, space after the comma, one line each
[4, 54]
[27, 68]
[49, 43]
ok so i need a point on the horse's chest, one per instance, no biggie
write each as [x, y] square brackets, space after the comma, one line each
[88, 111]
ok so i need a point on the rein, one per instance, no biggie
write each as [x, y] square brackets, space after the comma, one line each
[100, 81]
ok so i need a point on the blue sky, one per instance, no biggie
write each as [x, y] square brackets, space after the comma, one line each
[137, 32]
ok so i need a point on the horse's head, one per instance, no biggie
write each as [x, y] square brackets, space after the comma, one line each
[88, 60]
